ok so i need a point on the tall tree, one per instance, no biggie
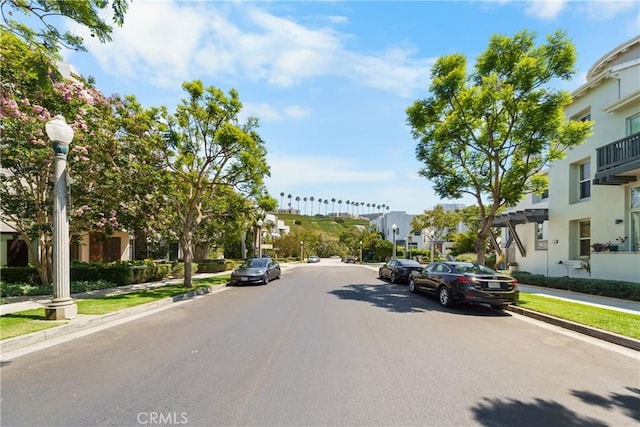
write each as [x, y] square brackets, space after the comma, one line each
[18, 15]
[111, 159]
[489, 133]
[281, 197]
[207, 149]
[298, 200]
[333, 204]
[305, 205]
[311, 199]
[339, 206]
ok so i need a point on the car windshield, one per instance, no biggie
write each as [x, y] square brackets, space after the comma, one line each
[471, 268]
[255, 263]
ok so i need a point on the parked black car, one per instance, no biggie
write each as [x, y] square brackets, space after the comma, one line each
[256, 270]
[349, 259]
[398, 269]
[465, 282]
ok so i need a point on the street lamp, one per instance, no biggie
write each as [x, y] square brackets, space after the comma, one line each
[301, 250]
[393, 251]
[62, 305]
[361, 251]
[259, 224]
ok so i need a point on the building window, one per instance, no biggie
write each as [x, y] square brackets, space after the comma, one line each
[585, 180]
[541, 236]
[633, 124]
[585, 238]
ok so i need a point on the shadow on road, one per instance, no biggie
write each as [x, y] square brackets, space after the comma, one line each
[398, 299]
[510, 412]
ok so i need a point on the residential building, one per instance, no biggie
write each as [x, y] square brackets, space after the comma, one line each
[594, 192]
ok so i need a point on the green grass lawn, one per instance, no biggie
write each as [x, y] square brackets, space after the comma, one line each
[609, 320]
[25, 322]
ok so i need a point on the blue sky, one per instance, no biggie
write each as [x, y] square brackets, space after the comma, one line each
[330, 81]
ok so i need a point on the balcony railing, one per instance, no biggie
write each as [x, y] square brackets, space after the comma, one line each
[616, 158]
[619, 152]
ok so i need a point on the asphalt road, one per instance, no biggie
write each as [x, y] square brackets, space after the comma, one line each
[328, 344]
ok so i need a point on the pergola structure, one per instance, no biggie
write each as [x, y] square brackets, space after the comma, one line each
[510, 220]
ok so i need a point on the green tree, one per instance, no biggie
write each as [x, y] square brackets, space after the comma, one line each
[208, 150]
[43, 13]
[489, 133]
[438, 223]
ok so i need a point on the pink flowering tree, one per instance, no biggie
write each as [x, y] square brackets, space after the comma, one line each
[112, 166]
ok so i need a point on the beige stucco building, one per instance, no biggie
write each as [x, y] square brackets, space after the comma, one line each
[594, 193]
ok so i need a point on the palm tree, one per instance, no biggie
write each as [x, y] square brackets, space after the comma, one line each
[339, 206]
[348, 204]
[333, 204]
[305, 205]
[361, 207]
[353, 205]
[312, 199]
[289, 197]
[298, 200]
[281, 196]
[368, 208]
[326, 205]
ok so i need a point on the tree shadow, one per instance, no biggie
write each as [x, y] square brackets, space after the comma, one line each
[630, 403]
[511, 412]
[398, 299]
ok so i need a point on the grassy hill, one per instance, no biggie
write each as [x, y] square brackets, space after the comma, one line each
[320, 224]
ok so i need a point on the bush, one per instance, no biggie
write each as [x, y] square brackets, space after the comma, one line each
[119, 274]
[214, 266]
[607, 288]
[20, 275]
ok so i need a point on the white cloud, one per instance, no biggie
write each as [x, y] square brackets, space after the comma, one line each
[546, 9]
[170, 42]
[318, 170]
[269, 113]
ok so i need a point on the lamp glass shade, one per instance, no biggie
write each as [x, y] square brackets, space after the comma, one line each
[58, 130]
[259, 223]
[395, 227]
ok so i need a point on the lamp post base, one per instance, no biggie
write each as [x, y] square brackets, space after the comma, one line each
[61, 312]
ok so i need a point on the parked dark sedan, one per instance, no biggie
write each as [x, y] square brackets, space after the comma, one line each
[398, 269]
[465, 282]
[256, 270]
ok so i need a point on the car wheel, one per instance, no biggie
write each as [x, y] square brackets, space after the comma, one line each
[265, 280]
[412, 285]
[444, 296]
[380, 276]
[393, 277]
[279, 273]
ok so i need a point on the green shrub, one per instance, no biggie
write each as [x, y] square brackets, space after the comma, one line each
[119, 274]
[214, 266]
[24, 289]
[607, 288]
[19, 275]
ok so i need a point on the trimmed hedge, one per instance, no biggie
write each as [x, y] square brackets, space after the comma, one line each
[214, 266]
[19, 275]
[607, 288]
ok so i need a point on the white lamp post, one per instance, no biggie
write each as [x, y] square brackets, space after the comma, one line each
[394, 228]
[360, 251]
[301, 250]
[62, 305]
[259, 224]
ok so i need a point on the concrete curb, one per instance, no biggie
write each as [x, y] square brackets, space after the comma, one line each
[89, 321]
[576, 327]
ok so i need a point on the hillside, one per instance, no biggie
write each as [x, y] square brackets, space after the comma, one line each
[320, 224]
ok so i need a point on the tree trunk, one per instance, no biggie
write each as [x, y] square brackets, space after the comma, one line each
[187, 251]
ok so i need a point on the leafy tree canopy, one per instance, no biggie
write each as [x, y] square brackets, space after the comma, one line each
[47, 37]
[489, 132]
